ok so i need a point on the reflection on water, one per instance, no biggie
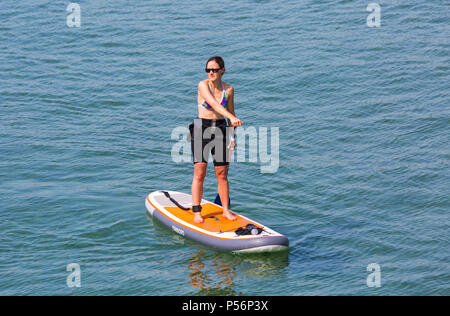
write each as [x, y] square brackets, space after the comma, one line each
[214, 272]
[210, 276]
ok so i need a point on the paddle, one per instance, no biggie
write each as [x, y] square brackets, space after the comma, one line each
[230, 150]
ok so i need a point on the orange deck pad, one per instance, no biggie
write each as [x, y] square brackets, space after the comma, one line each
[213, 218]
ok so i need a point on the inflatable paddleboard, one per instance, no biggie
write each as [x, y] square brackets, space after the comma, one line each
[174, 210]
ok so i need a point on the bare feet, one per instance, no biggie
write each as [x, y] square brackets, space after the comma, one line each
[198, 218]
[228, 215]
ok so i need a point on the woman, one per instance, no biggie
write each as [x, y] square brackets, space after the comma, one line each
[215, 103]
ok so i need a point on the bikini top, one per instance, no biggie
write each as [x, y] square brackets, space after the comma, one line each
[223, 102]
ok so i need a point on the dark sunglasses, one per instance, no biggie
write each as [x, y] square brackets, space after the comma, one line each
[214, 70]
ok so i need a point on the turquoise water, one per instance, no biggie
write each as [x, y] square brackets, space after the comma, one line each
[87, 115]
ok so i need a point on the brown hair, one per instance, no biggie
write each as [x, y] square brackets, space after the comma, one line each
[218, 60]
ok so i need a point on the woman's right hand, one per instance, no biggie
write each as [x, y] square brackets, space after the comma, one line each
[235, 121]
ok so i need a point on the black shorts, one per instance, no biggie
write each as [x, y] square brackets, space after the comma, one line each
[209, 136]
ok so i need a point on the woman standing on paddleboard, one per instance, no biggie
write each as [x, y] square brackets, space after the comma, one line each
[209, 134]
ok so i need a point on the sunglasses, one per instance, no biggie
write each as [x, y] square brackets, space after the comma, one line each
[214, 70]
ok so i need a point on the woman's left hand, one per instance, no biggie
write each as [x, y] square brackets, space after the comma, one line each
[232, 144]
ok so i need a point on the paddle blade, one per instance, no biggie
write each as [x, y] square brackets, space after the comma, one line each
[219, 202]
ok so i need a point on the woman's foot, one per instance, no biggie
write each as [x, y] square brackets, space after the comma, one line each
[228, 215]
[198, 218]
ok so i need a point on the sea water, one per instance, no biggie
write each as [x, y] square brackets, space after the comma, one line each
[90, 96]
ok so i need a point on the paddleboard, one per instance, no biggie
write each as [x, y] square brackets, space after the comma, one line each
[174, 210]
